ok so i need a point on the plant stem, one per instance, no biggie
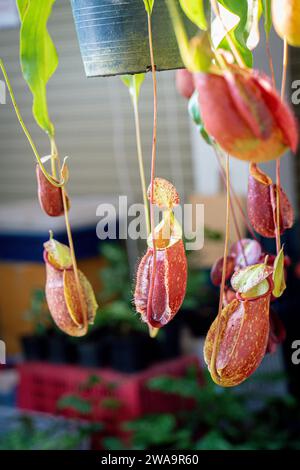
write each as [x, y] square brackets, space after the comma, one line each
[213, 366]
[236, 199]
[284, 67]
[271, 64]
[277, 222]
[141, 162]
[54, 157]
[153, 161]
[181, 35]
[25, 130]
[56, 164]
[278, 179]
[74, 261]
[235, 222]
[233, 47]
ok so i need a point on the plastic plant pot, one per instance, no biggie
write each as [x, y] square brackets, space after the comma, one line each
[113, 37]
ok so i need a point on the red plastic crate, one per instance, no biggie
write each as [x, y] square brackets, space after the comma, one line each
[152, 401]
[42, 385]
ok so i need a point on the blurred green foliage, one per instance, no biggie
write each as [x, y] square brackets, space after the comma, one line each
[38, 313]
[116, 307]
[221, 419]
[25, 434]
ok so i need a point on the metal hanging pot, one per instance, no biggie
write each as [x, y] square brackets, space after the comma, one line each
[113, 37]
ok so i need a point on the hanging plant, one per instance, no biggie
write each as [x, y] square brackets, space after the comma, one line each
[50, 196]
[70, 312]
[69, 295]
[245, 116]
[236, 342]
[261, 203]
[168, 281]
[238, 112]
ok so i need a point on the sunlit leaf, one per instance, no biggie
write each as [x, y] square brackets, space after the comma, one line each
[238, 32]
[134, 83]
[22, 6]
[200, 52]
[266, 7]
[38, 55]
[195, 53]
[149, 6]
[195, 11]
[278, 275]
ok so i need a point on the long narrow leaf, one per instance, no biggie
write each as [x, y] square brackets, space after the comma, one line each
[266, 7]
[195, 11]
[239, 32]
[278, 275]
[133, 83]
[149, 6]
[38, 55]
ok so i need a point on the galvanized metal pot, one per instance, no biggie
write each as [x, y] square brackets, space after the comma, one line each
[113, 37]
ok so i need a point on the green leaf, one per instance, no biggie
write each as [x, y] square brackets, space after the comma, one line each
[76, 403]
[200, 52]
[278, 275]
[142, 429]
[149, 6]
[194, 10]
[22, 6]
[134, 83]
[194, 112]
[91, 382]
[213, 440]
[38, 55]
[246, 279]
[239, 33]
[113, 443]
[196, 52]
[111, 403]
[266, 7]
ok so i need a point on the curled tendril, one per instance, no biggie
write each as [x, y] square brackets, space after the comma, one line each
[58, 184]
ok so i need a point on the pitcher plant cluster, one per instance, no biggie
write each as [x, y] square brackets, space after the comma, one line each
[240, 114]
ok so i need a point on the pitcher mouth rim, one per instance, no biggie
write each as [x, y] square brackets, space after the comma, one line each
[266, 294]
[46, 259]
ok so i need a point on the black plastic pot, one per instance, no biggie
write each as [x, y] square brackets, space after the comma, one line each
[61, 349]
[113, 37]
[129, 353]
[35, 347]
[92, 354]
